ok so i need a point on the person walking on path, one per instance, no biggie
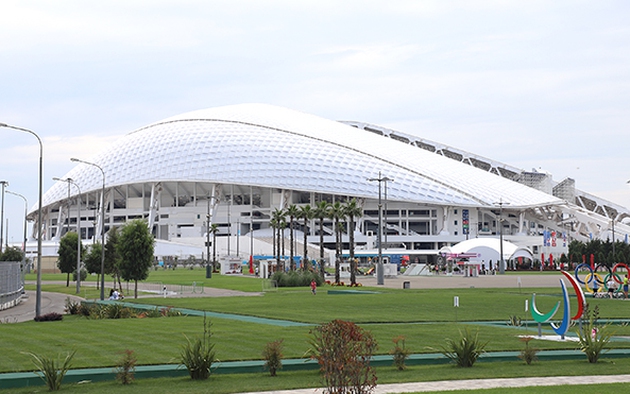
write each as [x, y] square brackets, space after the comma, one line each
[625, 287]
[313, 287]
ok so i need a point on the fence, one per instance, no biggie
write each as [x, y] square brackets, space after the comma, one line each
[11, 285]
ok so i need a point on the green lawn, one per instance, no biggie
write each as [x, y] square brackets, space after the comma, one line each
[306, 379]
[424, 317]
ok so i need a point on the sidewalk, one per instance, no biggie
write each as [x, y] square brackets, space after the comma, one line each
[473, 384]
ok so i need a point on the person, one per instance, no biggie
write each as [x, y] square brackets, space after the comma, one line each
[625, 287]
[114, 295]
[313, 287]
[611, 286]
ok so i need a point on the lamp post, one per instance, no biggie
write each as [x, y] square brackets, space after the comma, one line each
[208, 267]
[70, 181]
[501, 264]
[24, 229]
[380, 280]
[3, 185]
[38, 299]
[74, 159]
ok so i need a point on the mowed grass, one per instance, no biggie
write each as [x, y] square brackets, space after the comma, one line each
[236, 383]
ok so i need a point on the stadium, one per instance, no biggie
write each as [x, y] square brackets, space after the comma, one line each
[233, 166]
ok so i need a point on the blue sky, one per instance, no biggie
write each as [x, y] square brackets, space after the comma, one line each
[535, 84]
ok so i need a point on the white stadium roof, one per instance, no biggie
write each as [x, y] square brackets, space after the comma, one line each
[269, 146]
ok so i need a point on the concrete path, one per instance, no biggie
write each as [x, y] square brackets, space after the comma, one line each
[25, 310]
[473, 384]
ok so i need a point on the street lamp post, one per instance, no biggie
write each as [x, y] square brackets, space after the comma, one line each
[74, 159]
[380, 279]
[3, 185]
[70, 181]
[501, 264]
[38, 299]
[24, 229]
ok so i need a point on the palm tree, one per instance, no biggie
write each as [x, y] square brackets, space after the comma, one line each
[292, 211]
[337, 213]
[278, 216]
[307, 213]
[352, 210]
[273, 224]
[214, 229]
[322, 211]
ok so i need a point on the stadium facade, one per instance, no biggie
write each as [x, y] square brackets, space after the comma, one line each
[236, 164]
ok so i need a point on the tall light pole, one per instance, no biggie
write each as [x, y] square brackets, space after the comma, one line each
[501, 264]
[3, 185]
[24, 229]
[38, 298]
[70, 181]
[380, 277]
[74, 159]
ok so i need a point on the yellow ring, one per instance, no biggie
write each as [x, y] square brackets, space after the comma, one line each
[587, 279]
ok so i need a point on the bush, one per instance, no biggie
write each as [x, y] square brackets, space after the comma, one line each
[126, 367]
[199, 354]
[594, 338]
[296, 278]
[51, 373]
[465, 351]
[272, 354]
[528, 354]
[343, 351]
[399, 353]
[72, 308]
[84, 275]
[52, 316]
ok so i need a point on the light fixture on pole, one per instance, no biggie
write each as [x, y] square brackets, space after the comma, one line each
[38, 299]
[24, 229]
[74, 159]
[70, 181]
[3, 185]
[380, 277]
[501, 262]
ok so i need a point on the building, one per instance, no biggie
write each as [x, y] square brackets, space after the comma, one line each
[234, 165]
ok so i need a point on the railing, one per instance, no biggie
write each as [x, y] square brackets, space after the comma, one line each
[11, 284]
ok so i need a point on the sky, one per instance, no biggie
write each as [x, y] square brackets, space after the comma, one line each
[534, 84]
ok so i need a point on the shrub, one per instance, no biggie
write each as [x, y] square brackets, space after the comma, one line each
[515, 321]
[198, 355]
[593, 339]
[51, 373]
[52, 316]
[399, 353]
[343, 351]
[126, 367]
[465, 351]
[84, 275]
[72, 307]
[528, 354]
[296, 278]
[272, 354]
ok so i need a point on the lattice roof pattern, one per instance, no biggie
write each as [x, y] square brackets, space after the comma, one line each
[269, 146]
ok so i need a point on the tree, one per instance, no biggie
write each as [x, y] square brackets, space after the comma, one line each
[293, 211]
[112, 257]
[92, 261]
[135, 246]
[67, 261]
[337, 213]
[307, 213]
[352, 210]
[12, 253]
[322, 211]
[278, 217]
[214, 229]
